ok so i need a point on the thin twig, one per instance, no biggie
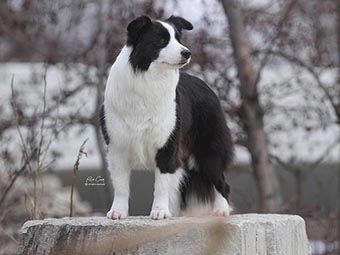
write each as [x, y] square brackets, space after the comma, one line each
[14, 178]
[311, 166]
[9, 235]
[285, 15]
[310, 69]
[42, 122]
[40, 149]
[14, 106]
[81, 152]
[23, 144]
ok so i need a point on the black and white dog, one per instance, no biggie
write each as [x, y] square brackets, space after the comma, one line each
[156, 117]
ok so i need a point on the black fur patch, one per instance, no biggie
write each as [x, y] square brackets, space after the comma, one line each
[103, 125]
[168, 157]
[201, 132]
[146, 44]
[179, 24]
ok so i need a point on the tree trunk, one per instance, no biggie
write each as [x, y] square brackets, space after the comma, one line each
[251, 113]
[338, 107]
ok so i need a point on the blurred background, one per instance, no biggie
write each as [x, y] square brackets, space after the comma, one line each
[273, 63]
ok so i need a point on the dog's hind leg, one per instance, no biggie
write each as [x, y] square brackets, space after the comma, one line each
[213, 166]
[175, 197]
[167, 195]
[221, 206]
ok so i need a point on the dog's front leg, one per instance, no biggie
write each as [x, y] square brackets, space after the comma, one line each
[120, 175]
[160, 205]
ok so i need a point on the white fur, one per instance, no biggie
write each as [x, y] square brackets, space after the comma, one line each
[160, 205]
[220, 206]
[167, 194]
[175, 194]
[140, 109]
[195, 207]
[140, 113]
[192, 163]
[120, 175]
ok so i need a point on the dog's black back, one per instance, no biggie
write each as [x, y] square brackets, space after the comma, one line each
[201, 135]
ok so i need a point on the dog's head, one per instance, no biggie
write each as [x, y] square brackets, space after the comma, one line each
[157, 43]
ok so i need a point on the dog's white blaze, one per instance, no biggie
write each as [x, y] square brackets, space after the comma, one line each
[171, 54]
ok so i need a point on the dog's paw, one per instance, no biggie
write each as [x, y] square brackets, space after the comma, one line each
[221, 206]
[115, 215]
[160, 214]
[221, 213]
[222, 210]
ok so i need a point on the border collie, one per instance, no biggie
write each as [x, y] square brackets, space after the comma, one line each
[156, 117]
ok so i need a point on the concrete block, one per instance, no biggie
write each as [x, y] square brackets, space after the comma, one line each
[247, 234]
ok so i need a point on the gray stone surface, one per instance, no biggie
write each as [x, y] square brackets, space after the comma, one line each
[247, 234]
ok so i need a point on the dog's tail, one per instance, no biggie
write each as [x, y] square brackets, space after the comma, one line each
[197, 194]
[198, 191]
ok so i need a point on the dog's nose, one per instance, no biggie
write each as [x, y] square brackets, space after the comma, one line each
[186, 54]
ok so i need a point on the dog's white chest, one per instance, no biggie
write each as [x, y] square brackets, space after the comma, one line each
[148, 130]
[140, 112]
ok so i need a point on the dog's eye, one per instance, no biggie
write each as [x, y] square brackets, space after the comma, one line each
[162, 41]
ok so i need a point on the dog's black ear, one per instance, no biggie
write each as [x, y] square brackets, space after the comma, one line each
[180, 23]
[139, 24]
[136, 28]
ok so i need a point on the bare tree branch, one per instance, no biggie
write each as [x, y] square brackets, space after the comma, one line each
[81, 152]
[251, 112]
[16, 174]
[315, 75]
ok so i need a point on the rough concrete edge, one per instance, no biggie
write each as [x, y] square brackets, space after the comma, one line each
[145, 220]
[141, 222]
